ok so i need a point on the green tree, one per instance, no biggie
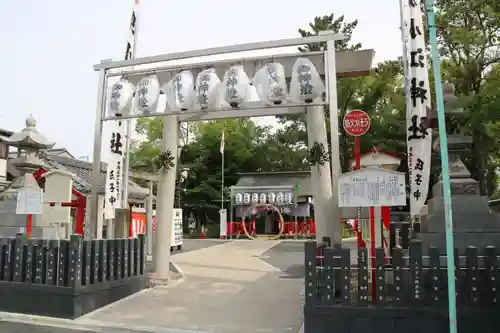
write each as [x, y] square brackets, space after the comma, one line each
[246, 150]
[469, 39]
[379, 94]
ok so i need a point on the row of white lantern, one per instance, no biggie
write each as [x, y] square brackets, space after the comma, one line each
[263, 198]
[205, 91]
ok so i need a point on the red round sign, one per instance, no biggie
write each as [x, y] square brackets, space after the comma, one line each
[356, 123]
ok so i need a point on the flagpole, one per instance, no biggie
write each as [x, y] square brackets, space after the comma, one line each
[222, 144]
[134, 29]
[443, 143]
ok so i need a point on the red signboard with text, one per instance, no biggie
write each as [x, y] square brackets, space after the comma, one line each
[356, 123]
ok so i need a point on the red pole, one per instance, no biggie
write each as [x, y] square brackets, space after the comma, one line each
[80, 215]
[357, 153]
[29, 225]
[372, 253]
[357, 156]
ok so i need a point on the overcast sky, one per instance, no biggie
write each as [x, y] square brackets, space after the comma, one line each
[49, 47]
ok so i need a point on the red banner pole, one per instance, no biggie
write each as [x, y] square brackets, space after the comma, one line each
[29, 226]
[357, 157]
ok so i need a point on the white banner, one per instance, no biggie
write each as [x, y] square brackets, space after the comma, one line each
[130, 53]
[223, 222]
[177, 233]
[418, 135]
[131, 42]
[114, 170]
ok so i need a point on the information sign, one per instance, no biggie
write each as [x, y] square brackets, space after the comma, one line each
[372, 187]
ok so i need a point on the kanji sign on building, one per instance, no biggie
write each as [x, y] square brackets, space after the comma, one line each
[356, 123]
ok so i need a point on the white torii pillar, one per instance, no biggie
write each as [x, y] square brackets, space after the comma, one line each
[165, 202]
[321, 179]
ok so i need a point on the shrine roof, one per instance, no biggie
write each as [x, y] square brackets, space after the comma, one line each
[284, 178]
[82, 171]
[5, 133]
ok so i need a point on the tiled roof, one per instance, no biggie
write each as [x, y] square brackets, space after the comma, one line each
[82, 171]
[287, 178]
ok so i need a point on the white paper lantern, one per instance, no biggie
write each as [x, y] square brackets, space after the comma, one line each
[246, 198]
[180, 91]
[262, 198]
[255, 198]
[236, 84]
[206, 84]
[119, 97]
[288, 198]
[147, 93]
[271, 197]
[280, 198]
[238, 199]
[218, 101]
[270, 82]
[306, 84]
[252, 96]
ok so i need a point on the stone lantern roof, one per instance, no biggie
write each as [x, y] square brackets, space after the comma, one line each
[29, 138]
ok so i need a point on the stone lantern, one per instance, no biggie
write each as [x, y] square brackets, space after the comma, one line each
[29, 142]
[473, 224]
[457, 143]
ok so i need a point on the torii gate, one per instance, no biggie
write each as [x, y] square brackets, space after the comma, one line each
[329, 65]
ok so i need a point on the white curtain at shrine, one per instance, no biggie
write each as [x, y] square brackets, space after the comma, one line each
[418, 136]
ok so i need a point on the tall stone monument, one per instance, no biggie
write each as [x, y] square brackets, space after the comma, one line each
[29, 141]
[473, 224]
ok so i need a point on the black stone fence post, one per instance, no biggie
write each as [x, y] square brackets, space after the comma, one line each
[75, 261]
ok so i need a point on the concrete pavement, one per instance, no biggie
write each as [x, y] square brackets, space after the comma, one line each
[227, 288]
[11, 327]
[244, 286]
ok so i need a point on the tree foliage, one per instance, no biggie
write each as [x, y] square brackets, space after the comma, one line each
[469, 40]
[468, 37]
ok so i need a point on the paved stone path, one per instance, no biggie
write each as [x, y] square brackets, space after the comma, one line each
[10, 327]
[227, 289]
[239, 286]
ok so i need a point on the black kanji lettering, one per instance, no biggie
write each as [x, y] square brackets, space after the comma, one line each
[116, 143]
[414, 29]
[132, 23]
[111, 174]
[417, 58]
[112, 200]
[417, 194]
[114, 104]
[304, 77]
[419, 165]
[418, 131]
[418, 179]
[417, 92]
[111, 187]
[143, 96]
[128, 51]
